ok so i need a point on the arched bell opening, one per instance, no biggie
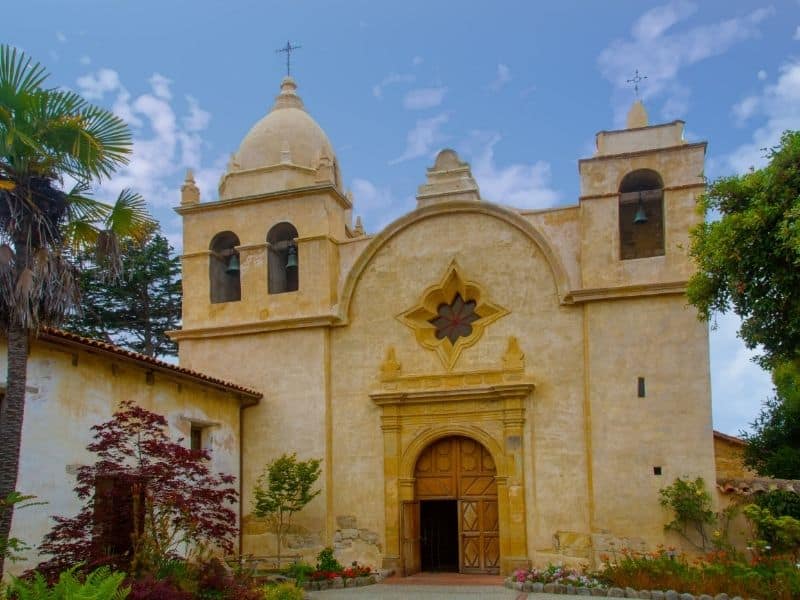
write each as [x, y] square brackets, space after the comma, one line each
[224, 268]
[641, 214]
[453, 522]
[283, 263]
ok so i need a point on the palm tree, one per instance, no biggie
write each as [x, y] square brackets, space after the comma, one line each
[49, 136]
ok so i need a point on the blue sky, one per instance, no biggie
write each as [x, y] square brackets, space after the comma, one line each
[518, 88]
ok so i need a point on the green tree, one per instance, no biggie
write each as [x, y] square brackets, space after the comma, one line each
[137, 309]
[47, 136]
[283, 489]
[773, 449]
[749, 259]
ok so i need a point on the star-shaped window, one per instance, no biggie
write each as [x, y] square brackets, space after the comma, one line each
[455, 319]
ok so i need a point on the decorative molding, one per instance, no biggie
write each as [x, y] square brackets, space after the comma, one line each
[512, 218]
[390, 368]
[269, 197]
[419, 317]
[436, 395]
[646, 152]
[668, 288]
[514, 358]
[254, 327]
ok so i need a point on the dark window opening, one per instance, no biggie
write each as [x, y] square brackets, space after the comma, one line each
[439, 535]
[656, 470]
[641, 389]
[641, 215]
[224, 268]
[196, 438]
[283, 261]
[117, 500]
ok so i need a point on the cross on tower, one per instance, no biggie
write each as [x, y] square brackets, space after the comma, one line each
[288, 50]
[635, 80]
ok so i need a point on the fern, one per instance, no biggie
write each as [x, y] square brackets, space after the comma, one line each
[101, 584]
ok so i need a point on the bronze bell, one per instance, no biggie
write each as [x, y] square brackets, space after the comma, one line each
[640, 218]
[291, 259]
[233, 265]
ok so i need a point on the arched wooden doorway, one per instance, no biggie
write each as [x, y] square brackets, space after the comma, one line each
[453, 522]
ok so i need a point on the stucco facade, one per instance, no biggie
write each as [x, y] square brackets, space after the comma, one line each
[74, 384]
[584, 376]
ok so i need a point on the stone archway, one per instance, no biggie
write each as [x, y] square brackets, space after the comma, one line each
[455, 492]
[491, 416]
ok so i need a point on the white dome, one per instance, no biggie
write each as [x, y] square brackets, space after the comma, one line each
[287, 134]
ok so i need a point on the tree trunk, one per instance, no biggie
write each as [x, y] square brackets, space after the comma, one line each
[11, 412]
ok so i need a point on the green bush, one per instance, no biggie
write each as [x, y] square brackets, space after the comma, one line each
[283, 591]
[101, 584]
[299, 570]
[780, 503]
[327, 562]
[690, 504]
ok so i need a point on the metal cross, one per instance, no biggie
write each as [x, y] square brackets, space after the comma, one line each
[288, 50]
[635, 80]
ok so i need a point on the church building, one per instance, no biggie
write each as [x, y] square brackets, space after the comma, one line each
[487, 387]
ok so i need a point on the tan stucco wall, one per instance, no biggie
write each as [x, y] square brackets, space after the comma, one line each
[587, 323]
[65, 400]
[729, 459]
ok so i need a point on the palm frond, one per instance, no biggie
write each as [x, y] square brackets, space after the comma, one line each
[129, 216]
[18, 72]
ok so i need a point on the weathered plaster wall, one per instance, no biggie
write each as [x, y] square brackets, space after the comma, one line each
[661, 340]
[513, 270]
[289, 366]
[729, 459]
[64, 401]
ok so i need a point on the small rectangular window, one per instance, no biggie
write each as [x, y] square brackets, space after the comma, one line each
[656, 470]
[196, 438]
[640, 387]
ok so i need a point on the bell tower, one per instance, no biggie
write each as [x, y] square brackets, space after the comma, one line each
[638, 197]
[266, 252]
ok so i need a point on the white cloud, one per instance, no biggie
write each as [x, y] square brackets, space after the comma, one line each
[377, 206]
[744, 109]
[167, 140]
[391, 79]
[778, 105]
[424, 138]
[197, 119]
[94, 86]
[502, 77]
[660, 50]
[423, 98]
[762, 75]
[61, 37]
[738, 385]
[160, 85]
[517, 185]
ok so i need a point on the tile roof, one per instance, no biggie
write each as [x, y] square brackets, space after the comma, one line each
[729, 438]
[59, 336]
[756, 485]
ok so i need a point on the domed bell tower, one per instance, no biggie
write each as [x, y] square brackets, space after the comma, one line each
[266, 252]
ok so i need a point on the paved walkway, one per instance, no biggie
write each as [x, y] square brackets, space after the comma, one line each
[438, 586]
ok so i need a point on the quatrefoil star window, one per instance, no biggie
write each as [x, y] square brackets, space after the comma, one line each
[451, 315]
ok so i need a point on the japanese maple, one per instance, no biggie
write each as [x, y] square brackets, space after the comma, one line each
[146, 498]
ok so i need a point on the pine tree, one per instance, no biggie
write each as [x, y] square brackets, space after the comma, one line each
[136, 310]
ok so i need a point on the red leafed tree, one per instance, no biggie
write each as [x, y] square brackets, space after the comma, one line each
[147, 499]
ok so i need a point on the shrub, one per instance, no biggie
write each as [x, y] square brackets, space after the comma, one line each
[101, 584]
[283, 591]
[327, 562]
[780, 503]
[778, 535]
[149, 588]
[719, 572]
[691, 507]
[556, 574]
[299, 571]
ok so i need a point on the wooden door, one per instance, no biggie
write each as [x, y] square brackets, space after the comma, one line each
[409, 528]
[461, 469]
